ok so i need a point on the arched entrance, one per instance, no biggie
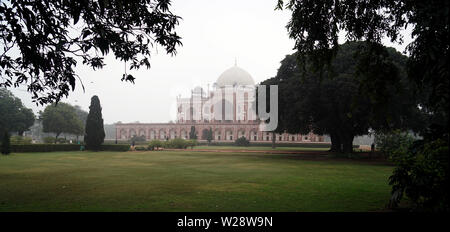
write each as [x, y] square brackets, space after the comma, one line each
[229, 135]
[172, 134]
[162, 134]
[184, 134]
[253, 135]
[217, 135]
[123, 134]
[241, 133]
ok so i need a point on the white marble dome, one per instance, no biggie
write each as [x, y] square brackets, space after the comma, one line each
[234, 76]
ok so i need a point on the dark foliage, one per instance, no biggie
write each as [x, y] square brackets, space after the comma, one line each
[193, 133]
[204, 134]
[6, 145]
[42, 40]
[242, 141]
[64, 147]
[45, 147]
[315, 27]
[209, 136]
[94, 132]
[336, 103]
[262, 144]
[14, 116]
[393, 143]
[422, 174]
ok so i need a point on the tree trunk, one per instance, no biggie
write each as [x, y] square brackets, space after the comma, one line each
[348, 144]
[335, 143]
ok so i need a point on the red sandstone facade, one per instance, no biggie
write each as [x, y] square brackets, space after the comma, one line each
[222, 132]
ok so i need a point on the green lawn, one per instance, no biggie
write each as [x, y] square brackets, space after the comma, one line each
[188, 181]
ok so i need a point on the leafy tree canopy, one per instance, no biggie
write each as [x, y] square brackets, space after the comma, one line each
[336, 104]
[205, 134]
[14, 116]
[315, 26]
[82, 114]
[61, 118]
[42, 40]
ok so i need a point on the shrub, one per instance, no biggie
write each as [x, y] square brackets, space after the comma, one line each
[242, 141]
[49, 140]
[191, 143]
[422, 175]
[140, 148]
[164, 143]
[176, 143]
[20, 140]
[394, 143]
[155, 144]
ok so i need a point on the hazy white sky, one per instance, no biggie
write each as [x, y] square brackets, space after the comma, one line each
[214, 33]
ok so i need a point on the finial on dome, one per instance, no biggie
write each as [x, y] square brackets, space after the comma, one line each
[235, 61]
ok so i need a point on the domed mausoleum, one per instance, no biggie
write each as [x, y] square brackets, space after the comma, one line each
[228, 109]
[234, 76]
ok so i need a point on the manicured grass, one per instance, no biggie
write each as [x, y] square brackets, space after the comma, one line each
[188, 181]
[279, 148]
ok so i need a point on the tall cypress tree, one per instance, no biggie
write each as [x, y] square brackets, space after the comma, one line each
[209, 137]
[193, 133]
[94, 132]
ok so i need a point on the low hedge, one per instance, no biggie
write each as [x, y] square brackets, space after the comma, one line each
[269, 144]
[44, 147]
[64, 147]
[124, 142]
[140, 148]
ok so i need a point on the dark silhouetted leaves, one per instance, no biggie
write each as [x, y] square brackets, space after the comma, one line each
[40, 40]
